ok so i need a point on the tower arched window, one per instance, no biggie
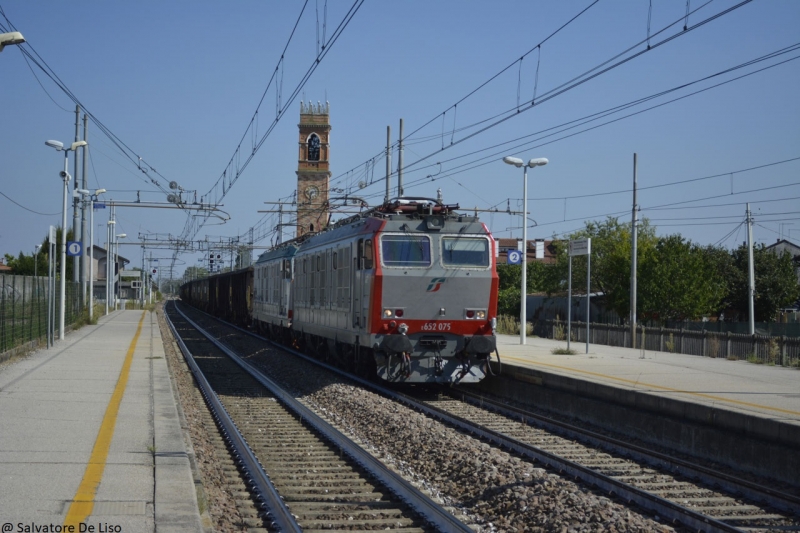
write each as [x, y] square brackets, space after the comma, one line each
[313, 147]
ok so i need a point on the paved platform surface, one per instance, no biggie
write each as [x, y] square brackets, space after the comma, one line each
[90, 434]
[770, 392]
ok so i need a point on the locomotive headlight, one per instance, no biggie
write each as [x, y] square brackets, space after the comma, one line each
[480, 314]
[477, 314]
[388, 313]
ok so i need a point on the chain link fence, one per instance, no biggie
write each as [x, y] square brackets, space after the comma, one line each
[23, 311]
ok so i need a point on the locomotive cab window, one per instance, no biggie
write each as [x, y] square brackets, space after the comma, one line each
[465, 252]
[406, 250]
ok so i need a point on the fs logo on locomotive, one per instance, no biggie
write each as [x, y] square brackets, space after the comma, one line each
[435, 284]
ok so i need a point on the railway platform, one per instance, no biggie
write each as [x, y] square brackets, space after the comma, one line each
[90, 435]
[733, 412]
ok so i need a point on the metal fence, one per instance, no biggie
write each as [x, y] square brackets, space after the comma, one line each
[764, 349]
[23, 310]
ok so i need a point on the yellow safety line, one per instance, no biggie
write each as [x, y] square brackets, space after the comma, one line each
[649, 385]
[83, 502]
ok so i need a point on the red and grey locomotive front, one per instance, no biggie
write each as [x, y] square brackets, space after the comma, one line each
[436, 286]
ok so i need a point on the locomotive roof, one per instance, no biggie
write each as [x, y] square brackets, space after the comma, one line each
[282, 252]
[410, 215]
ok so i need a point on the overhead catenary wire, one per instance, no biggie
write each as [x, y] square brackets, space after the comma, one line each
[489, 159]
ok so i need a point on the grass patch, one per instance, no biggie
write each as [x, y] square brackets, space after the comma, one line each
[563, 351]
[508, 325]
[753, 358]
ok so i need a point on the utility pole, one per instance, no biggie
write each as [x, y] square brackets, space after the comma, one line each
[400, 191]
[84, 227]
[634, 231]
[280, 223]
[388, 164]
[144, 280]
[751, 275]
[76, 228]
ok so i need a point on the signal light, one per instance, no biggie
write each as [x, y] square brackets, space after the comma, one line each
[398, 313]
[470, 314]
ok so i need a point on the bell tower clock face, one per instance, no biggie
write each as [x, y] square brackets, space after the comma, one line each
[311, 192]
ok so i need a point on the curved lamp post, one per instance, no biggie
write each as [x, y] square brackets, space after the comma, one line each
[59, 146]
[524, 285]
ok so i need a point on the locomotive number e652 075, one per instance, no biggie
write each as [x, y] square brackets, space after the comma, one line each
[436, 326]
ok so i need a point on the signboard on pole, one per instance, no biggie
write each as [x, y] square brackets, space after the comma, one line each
[514, 257]
[580, 247]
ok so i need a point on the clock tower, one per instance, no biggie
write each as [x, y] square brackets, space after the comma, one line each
[313, 168]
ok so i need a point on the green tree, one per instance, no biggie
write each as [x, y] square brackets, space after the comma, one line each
[775, 280]
[510, 280]
[611, 261]
[194, 272]
[678, 281]
[23, 264]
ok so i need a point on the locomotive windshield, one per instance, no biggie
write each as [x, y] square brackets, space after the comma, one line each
[465, 252]
[406, 250]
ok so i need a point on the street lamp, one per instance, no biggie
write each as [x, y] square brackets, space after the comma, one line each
[520, 163]
[116, 263]
[59, 146]
[92, 199]
[13, 37]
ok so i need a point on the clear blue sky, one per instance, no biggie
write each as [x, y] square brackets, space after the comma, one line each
[178, 82]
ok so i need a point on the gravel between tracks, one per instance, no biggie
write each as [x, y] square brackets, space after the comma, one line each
[501, 492]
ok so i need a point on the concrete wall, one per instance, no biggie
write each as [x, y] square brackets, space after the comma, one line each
[757, 445]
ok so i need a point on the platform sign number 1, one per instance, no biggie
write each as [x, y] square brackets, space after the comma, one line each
[73, 248]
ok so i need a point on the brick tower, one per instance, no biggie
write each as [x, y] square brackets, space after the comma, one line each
[313, 168]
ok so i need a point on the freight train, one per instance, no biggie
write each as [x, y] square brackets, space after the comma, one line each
[406, 292]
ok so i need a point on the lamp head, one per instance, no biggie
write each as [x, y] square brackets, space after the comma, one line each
[539, 162]
[78, 144]
[110, 222]
[99, 191]
[58, 145]
[121, 235]
[13, 37]
[517, 162]
[84, 192]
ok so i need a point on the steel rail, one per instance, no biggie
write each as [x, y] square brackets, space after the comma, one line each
[280, 514]
[646, 500]
[673, 465]
[663, 507]
[435, 514]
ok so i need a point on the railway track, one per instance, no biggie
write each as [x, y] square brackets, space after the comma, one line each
[691, 494]
[307, 474]
[677, 492]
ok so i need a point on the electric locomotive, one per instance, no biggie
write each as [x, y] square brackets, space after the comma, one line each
[407, 291]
